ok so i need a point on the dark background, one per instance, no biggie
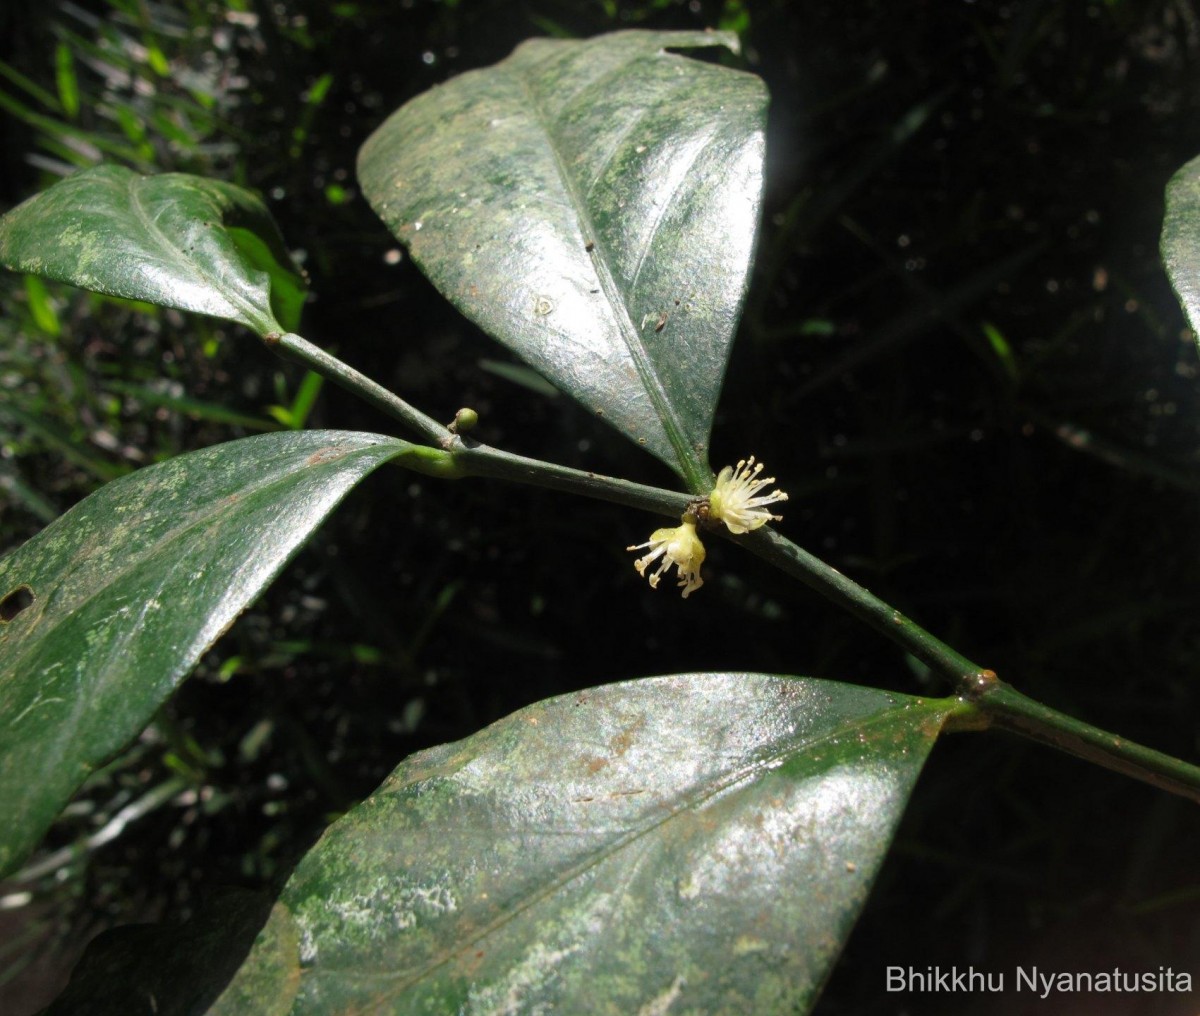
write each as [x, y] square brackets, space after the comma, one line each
[960, 355]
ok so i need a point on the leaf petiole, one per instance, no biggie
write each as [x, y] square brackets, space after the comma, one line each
[295, 347]
[456, 456]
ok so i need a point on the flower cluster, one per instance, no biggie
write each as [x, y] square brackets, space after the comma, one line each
[735, 501]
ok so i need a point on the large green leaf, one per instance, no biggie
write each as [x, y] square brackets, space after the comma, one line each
[105, 611]
[700, 843]
[593, 205]
[176, 240]
[1181, 239]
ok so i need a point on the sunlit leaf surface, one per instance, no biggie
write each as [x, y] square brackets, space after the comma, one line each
[592, 205]
[1181, 239]
[700, 843]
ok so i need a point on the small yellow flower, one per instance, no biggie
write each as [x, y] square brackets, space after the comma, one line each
[678, 546]
[735, 499]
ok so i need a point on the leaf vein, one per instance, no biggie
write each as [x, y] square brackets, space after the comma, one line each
[695, 471]
[684, 804]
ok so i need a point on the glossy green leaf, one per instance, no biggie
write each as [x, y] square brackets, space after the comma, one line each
[1181, 239]
[105, 611]
[593, 205]
[700, 843]
[176, 240]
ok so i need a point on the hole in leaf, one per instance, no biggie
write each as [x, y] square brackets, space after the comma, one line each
[15, 602]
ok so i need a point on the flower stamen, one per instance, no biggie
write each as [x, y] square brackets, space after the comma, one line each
[736, 501]
[678, 546]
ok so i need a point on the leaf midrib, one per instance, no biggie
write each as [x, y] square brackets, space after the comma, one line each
[685, 804]
[251, 315]
[695, 472]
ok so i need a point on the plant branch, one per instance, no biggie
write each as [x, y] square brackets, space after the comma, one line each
[459, 457]
[469, 458]
[1008, 709]
[995, 703]
[986, 699]
[482, 460]
[883, 617]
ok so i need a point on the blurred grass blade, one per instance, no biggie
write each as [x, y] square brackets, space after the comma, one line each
[295, 415]
[72, 447]
[78, 139]
[21, 493]
[30, 88]
[157, 60]
[313, 99]
[935, 306]
[810, 210]
[1123, 457]
[41, 307]
[519, 375]
[67, 82]
[196, 409]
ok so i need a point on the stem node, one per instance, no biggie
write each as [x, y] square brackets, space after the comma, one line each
[978, 683]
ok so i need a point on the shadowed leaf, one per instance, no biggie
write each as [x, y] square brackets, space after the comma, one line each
[108, 608]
